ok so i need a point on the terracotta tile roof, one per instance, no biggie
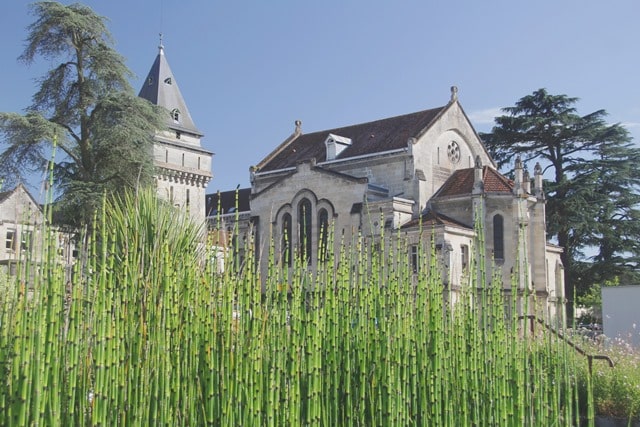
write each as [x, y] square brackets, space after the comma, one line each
[461, 182]
[431, 218]
[366, 138]
[227, 201]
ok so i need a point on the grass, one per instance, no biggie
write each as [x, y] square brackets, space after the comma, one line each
[147, 332]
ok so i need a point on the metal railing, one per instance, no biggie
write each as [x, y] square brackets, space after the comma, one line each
[590, 357]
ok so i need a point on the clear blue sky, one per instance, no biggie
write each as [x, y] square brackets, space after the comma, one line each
[248, 70]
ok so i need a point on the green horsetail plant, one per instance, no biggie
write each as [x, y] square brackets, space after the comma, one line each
[148, 331]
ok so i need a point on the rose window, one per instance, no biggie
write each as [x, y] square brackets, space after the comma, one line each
[453, 151]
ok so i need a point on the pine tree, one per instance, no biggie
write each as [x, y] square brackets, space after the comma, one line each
[102, 128]
[592, 185]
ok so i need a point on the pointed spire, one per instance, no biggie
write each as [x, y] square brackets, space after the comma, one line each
[478, 181]
[517, 188]
[160, 88]
[526, 181]
[537, 181]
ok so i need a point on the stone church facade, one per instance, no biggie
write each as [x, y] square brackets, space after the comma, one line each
[426, 170]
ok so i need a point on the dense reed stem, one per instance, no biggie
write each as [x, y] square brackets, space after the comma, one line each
[148, 331]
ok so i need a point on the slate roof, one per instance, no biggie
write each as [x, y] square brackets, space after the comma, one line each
[461, 183]
[366, 138]
[227, 201]
[161, 88]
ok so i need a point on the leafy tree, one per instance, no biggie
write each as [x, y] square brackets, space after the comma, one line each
[85, 102]
[592, 190]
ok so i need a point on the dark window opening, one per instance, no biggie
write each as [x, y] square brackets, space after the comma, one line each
[323, 237]
[304, 230]
[415, 259]
[286, 239]
[498, 237]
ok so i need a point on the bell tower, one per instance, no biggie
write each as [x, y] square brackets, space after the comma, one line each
[182, 166]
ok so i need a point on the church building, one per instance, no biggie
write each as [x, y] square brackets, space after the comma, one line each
[421, 171]
[426, 170]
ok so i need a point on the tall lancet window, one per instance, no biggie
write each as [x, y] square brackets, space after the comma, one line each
[323, 237]
[285, 244]
[304, 230]
[498, 237]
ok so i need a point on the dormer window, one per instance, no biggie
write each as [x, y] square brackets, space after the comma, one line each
[168, 81]
[335, 145]
[150, 81]
[175, 115]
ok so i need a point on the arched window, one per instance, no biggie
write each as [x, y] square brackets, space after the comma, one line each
[304, 230]
[323, 230]
[498, 237]
[285, 245]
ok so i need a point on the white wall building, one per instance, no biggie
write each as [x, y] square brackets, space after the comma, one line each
[21, 227]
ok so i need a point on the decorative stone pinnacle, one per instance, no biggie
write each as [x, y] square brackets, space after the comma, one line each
[537, 170]
[454, 93]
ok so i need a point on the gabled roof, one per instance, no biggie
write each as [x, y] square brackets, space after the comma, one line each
[366, 138]
[226, 201]
[431, 218]
[161, 88]
[461, 183]
[311, 165]
[20, 187]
